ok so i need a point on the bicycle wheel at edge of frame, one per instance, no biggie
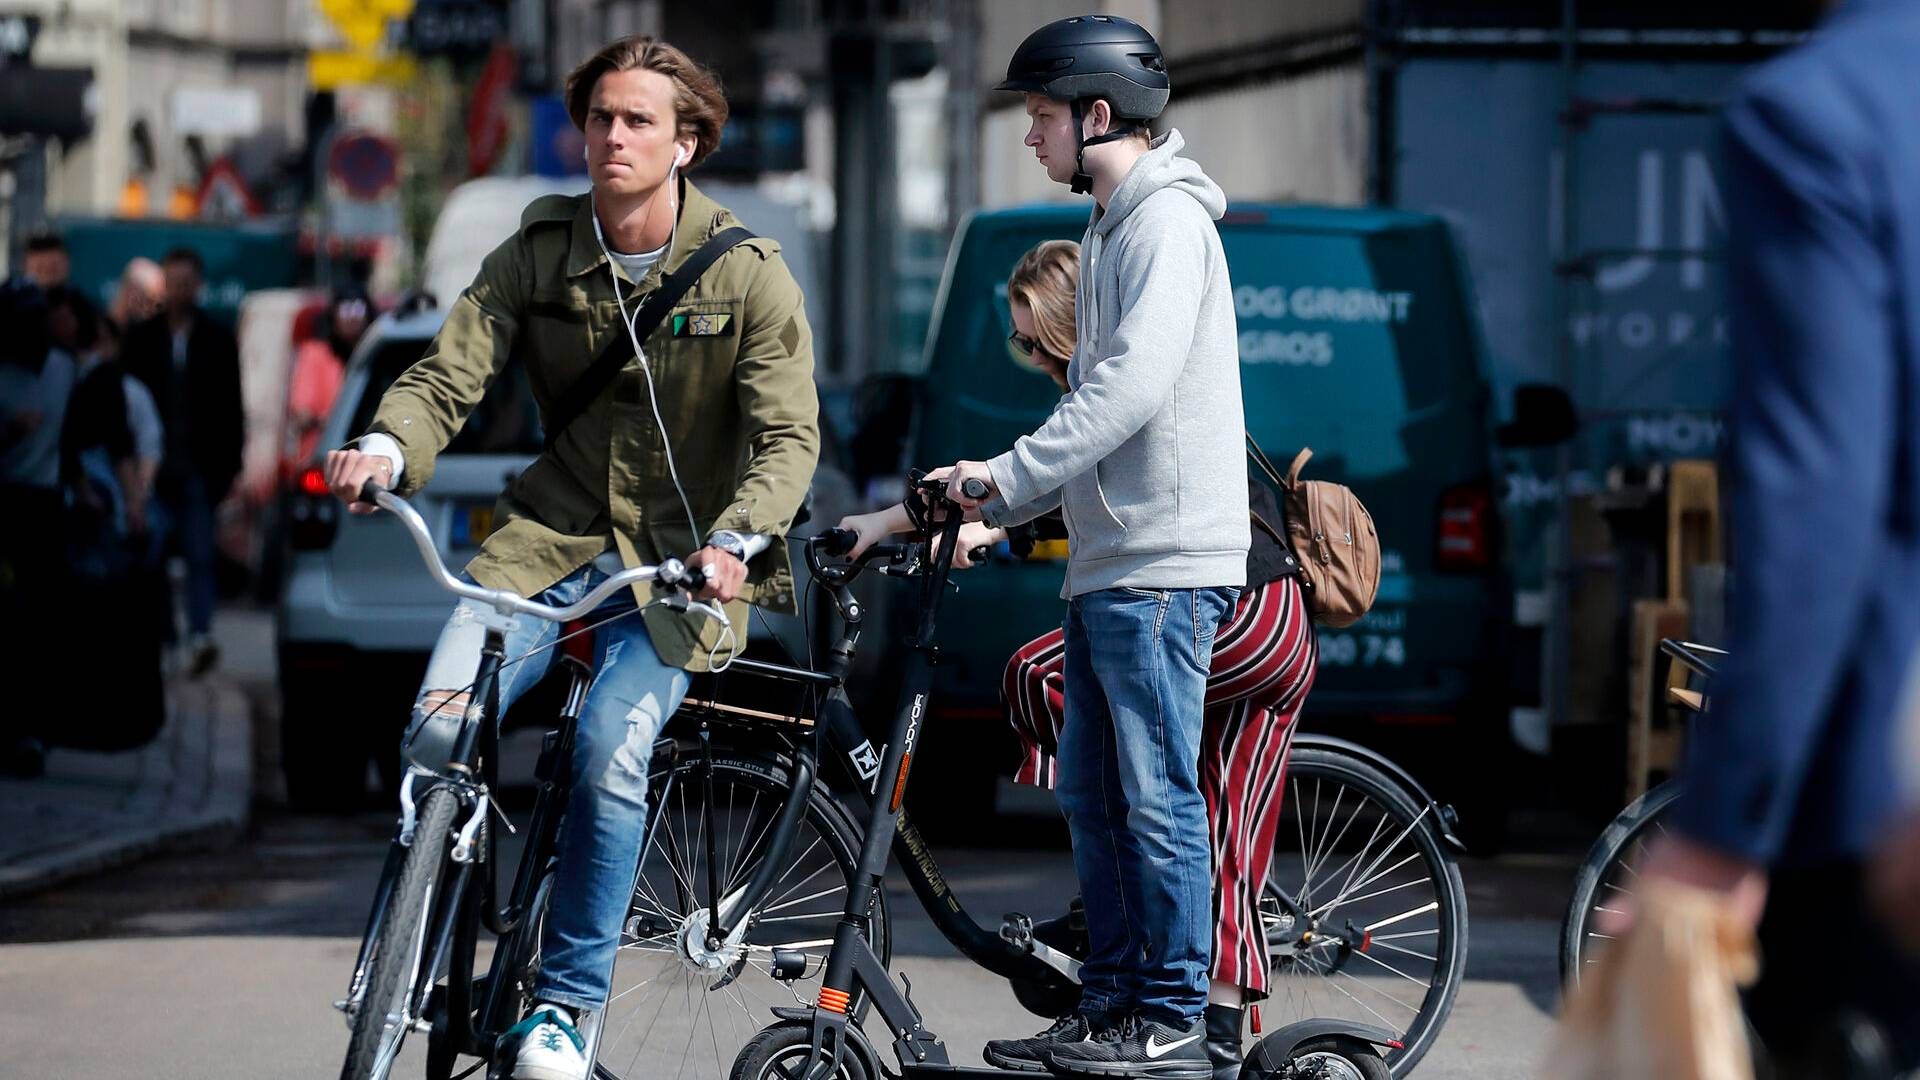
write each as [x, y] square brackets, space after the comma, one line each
[1449, 890]
[403, 935]
[1621, 833]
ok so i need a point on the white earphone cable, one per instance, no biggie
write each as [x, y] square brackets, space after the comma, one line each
[726, 638]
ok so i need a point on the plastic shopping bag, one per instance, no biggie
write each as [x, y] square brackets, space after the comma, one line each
[1663, 1001]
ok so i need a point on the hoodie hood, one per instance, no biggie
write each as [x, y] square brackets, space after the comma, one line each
[1160, 167]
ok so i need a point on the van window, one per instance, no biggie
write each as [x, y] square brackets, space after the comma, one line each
[507, 420]
[1347, 339]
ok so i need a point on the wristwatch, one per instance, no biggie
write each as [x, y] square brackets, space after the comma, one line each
[730, 542]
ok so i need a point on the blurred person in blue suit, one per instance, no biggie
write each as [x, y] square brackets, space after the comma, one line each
[1793, 780]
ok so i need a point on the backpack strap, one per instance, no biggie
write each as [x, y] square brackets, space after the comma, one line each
[1299, 462]
[619, 349]
[1259, 457]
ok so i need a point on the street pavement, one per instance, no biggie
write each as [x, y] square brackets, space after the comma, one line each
[192, 786]
[223, 963]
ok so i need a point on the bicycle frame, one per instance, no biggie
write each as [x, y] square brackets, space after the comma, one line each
[470, 900]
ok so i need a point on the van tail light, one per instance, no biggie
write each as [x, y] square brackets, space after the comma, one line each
[1465, 534]
[313, 514]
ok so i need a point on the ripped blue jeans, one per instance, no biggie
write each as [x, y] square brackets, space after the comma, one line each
[633, 693]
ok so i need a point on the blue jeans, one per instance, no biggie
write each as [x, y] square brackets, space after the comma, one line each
[189, 507]
[633, 693]
[1129, 781]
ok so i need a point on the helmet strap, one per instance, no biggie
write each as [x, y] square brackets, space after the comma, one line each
[1082, 181]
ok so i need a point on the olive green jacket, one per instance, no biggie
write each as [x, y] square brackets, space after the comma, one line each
[733, 369]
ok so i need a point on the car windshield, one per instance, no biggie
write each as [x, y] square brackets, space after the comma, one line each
[507, 420]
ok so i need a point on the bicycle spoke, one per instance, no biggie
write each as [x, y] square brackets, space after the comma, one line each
[1354, 859]
[1345, 895]
[1391, 1026]
[804, 899]
[1382, 892]
[1300, 826]
[1372, 959]
[1407, 934]
[1368, 873]
[1389, 945]
[1403, 916]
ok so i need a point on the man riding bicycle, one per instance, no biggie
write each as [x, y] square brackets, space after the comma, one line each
[707, 436]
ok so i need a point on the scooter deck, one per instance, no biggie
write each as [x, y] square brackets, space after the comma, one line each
[930, 1071]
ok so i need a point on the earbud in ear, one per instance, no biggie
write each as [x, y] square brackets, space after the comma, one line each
[680, 155]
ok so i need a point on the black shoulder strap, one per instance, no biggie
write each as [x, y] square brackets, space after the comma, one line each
[1259, 457]
[619, 347]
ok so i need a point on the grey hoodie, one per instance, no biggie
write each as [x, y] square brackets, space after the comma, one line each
[1144, 454]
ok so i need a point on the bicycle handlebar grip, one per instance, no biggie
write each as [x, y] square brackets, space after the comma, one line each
[692, 579]
[370, 492]
[836, 541]
[974, 488]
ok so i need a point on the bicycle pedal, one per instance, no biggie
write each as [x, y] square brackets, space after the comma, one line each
[1017, 929]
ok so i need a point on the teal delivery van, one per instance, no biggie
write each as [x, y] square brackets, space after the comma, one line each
[1357, 339]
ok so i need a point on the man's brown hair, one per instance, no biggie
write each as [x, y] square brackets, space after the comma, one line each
[699, 104]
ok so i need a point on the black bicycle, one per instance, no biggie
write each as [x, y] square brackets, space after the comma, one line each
[1606, 877]
[758, 889]
[415, 969]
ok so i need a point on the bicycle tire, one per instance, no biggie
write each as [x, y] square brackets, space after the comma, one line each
[392, 973]
[1616, 844]
[1314, 778]
[826, 823]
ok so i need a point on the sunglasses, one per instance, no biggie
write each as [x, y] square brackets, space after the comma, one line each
[1023, 347]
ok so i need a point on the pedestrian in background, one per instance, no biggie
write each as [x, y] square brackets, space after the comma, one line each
[47, 263]
[191, 364]
[319, 368]
[35, 382]
[1792, 777]
[141, 293]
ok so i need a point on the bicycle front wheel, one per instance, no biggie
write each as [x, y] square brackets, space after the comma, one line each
[1365, 914]
[393, 982]
[1606, 879]
[680, 1006]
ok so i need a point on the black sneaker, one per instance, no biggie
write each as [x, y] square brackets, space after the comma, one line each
[1144, 1048]
[1030, 1055]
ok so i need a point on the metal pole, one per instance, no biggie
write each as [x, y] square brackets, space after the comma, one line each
[1559, 637]
[323, 233]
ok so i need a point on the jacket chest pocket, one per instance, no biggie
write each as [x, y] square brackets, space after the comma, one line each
[690, 358]
[691, 355]
[564, 333]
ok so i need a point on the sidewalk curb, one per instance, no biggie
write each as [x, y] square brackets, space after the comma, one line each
[215, 817]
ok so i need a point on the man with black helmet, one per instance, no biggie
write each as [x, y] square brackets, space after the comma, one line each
[1143, 457]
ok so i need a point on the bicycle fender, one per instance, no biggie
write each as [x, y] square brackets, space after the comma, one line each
[1443, 816]
[1276, 1049]
[805, 1015]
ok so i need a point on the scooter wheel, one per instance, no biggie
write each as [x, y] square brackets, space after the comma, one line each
[783, 1050]
[1335, 1058]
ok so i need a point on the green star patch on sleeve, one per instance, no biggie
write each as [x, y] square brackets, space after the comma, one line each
[713, 325]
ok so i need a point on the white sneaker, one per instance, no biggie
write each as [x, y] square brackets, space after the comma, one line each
[550, 1048]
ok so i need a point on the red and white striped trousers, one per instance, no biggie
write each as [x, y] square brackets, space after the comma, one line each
[1263, 665]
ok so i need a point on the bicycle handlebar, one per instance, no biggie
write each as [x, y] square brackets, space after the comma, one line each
[671, 572]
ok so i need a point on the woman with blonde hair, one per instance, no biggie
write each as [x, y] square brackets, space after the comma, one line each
[1263, 664]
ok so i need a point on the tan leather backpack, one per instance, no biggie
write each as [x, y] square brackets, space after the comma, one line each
[1332, 536]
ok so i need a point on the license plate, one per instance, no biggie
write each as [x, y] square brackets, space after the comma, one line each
[472, 523]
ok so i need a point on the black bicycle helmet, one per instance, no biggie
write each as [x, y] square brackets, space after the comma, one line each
[1089, 57]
